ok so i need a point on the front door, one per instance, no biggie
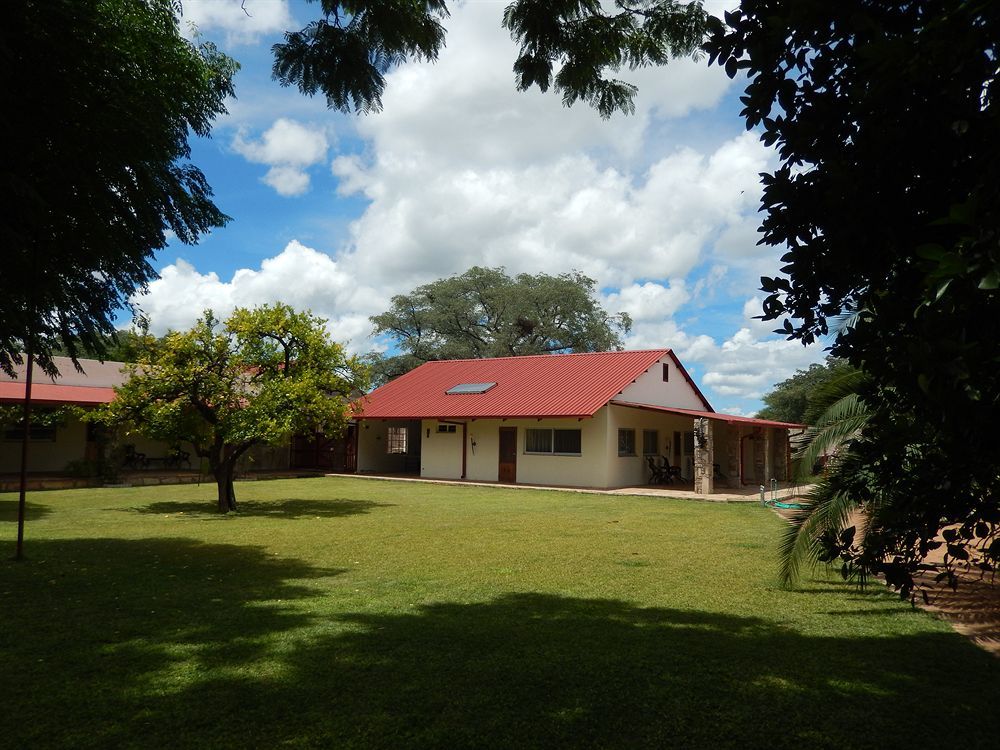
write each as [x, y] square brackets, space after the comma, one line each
[508, 454]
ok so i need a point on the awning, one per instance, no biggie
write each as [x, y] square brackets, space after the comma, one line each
[727, 418]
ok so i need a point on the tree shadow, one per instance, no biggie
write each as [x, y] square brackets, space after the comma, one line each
[171, 643]
[290, 508]
[32, 511]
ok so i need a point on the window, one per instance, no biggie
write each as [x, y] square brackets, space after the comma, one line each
[689, 443]
[666, 373]
[40, 432]
[566, 441]
[650, 442]
[446, 428]
[395, 441]
[558, 442]
[626, 442]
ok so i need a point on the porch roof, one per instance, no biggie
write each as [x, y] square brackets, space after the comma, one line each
[727, 418]
[47, 393]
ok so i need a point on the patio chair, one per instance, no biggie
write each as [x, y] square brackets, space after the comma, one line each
[133, 459]
[670, 473]
[656, 473]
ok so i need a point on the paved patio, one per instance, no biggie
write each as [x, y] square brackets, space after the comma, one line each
[677, 490]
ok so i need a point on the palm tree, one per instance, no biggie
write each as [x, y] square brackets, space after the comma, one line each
[838, 415]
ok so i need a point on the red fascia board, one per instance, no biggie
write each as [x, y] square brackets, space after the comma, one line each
[728, 418]
[46, 393]
[451, 419]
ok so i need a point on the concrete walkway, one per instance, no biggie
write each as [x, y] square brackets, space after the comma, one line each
[681, 491]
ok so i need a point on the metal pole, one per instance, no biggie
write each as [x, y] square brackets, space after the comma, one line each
[24, 455]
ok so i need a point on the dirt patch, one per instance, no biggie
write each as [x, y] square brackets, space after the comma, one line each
[973, 609]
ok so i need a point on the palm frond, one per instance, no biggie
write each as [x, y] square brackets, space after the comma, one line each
[842, 421]
[827, 511]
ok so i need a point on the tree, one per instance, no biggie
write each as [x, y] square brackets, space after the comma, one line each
[346, 53]
[267, 374]
[898, 222]
[486, 313]
[788, 401]
[100, 99]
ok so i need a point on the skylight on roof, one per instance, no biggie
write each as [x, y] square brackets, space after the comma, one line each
[466, 388]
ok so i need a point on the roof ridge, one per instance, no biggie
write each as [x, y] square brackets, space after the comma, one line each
[553, 354]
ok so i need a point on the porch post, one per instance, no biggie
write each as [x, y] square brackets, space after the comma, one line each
[768, 455]
[704, 457]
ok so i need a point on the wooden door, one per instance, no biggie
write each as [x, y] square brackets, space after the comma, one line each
[508, 454]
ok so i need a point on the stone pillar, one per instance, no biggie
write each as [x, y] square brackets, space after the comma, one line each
[760, 475]
[733, 435]
[781, 455]
[704, 457]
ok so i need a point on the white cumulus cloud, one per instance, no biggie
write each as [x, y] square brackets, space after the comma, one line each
[288, 147]
[241, 22]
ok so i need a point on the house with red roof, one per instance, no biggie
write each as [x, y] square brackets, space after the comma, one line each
[62, 448]
[598, 419]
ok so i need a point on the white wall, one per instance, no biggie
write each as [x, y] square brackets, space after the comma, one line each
[441, 453]
[44, 455]
[649, 388]
[629, 471]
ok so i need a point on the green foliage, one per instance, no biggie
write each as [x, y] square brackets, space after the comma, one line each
[346, 53]
[789, 399]
[570, 45]
[102, 98]
[899, 223]
[486, 313]
[269, 373]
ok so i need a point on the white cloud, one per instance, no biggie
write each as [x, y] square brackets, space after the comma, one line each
[241, 21]
[288, 147]
[461, 169]
[648, 301]
[300, 276]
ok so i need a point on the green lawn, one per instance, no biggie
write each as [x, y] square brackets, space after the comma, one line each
[358, 613]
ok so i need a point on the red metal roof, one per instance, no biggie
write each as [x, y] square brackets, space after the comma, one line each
[46, 393]
[728, 418]
[544, 385]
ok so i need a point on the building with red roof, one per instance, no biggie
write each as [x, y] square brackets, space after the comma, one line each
[598, 419]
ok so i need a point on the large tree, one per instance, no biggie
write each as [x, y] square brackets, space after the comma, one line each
[885, 118]
[100, 98]
[789, 400]
[267, 374]
[484, 312]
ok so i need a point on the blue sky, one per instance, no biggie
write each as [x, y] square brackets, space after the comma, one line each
[337, 213]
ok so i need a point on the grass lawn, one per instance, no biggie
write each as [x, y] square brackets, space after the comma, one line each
[356, 613]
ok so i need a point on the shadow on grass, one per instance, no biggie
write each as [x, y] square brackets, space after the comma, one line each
[32, 511]
[167, 643]
[287, 508]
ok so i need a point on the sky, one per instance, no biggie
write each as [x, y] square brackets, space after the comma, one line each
[337, 213]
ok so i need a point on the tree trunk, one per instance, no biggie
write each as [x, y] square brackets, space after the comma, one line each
[224, 482]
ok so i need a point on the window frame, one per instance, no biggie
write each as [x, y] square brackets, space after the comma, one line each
[552, 441]
[392, 440]
[626, 431]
